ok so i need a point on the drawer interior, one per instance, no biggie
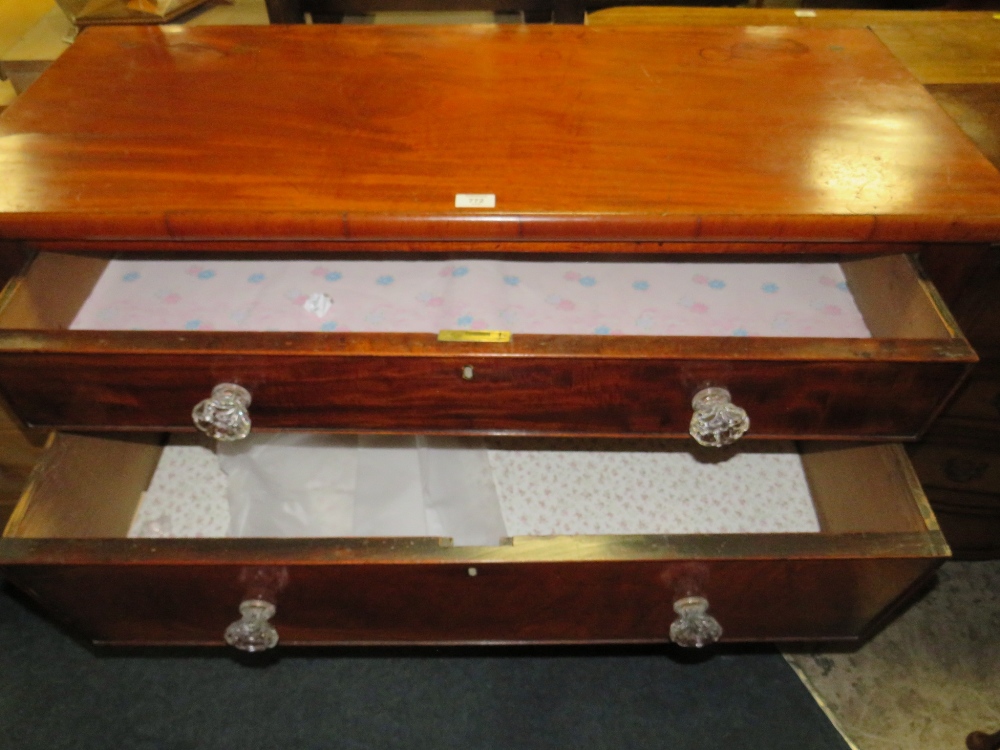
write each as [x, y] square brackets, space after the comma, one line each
[882, 297]
[93, 487]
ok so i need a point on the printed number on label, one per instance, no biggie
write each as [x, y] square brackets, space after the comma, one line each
[475, 200]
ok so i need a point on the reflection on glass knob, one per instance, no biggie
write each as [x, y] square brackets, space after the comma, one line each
[225, 415]
[253, 632]
[694, 627]
[717, 421]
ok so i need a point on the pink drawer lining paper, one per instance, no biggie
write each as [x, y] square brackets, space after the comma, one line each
[552, 297]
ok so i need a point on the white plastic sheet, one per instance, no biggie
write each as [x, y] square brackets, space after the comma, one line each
[315, 485]
[291, 484]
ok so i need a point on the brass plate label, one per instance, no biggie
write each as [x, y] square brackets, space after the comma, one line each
[482, 337]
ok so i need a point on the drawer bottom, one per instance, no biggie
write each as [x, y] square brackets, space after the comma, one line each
[66, 545]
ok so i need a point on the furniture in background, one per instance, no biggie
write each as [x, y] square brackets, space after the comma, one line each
[86, 13]
[959, 458]
[326, 11]
[333, 11]
[24, 61]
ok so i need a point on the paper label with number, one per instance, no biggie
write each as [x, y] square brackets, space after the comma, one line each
[475, 200]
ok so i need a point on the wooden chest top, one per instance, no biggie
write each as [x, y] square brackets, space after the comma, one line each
[369, 133]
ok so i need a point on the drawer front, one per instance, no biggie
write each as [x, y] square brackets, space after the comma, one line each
[515, 393]
[551, 602]
[978, 401]
[958, 467]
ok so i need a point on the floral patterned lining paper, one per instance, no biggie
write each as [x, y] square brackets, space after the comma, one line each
[554, 297]
[550, 486]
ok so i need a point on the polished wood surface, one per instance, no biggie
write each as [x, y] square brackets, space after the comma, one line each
[955, 53]
[822, 18]
[561, 601]
[832, 584]
[704, 139]
[581, 133]
[522, 393]
[935, 46]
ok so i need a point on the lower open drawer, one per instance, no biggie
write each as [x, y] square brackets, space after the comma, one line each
[66, 546]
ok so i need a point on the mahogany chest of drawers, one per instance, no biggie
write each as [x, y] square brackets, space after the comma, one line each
[647, 146]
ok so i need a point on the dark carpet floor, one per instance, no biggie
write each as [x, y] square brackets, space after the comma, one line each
[58, 694]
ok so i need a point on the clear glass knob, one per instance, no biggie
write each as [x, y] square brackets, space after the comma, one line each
[694, 627]
[717, 421]
[253, 632]
[225, 415]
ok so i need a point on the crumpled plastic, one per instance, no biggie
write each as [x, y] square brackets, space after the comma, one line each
[320, 485]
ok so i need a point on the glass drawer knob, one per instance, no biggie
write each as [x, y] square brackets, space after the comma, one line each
[694, 627]
[225, 415]
[253, 632]
[717, 421]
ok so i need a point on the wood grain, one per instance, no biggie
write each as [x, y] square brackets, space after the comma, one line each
[520, 394]
[419, 603]
[950, 47]
[536, 384]
[823, 18]
[593, 134]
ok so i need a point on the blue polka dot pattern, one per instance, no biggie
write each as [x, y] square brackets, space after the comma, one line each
[384, 280]
[588, 281]
[640, 286]
[717, 284]
[206, 274]
[602, 330]
[256, 278]
[511, 280]
[465, 320]
[330, 325]
[131, 276]
[192, 325]
[460, 271]
[770, 287]
[334, 276]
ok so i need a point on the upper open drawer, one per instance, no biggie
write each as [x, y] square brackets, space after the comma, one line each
[862, 348]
